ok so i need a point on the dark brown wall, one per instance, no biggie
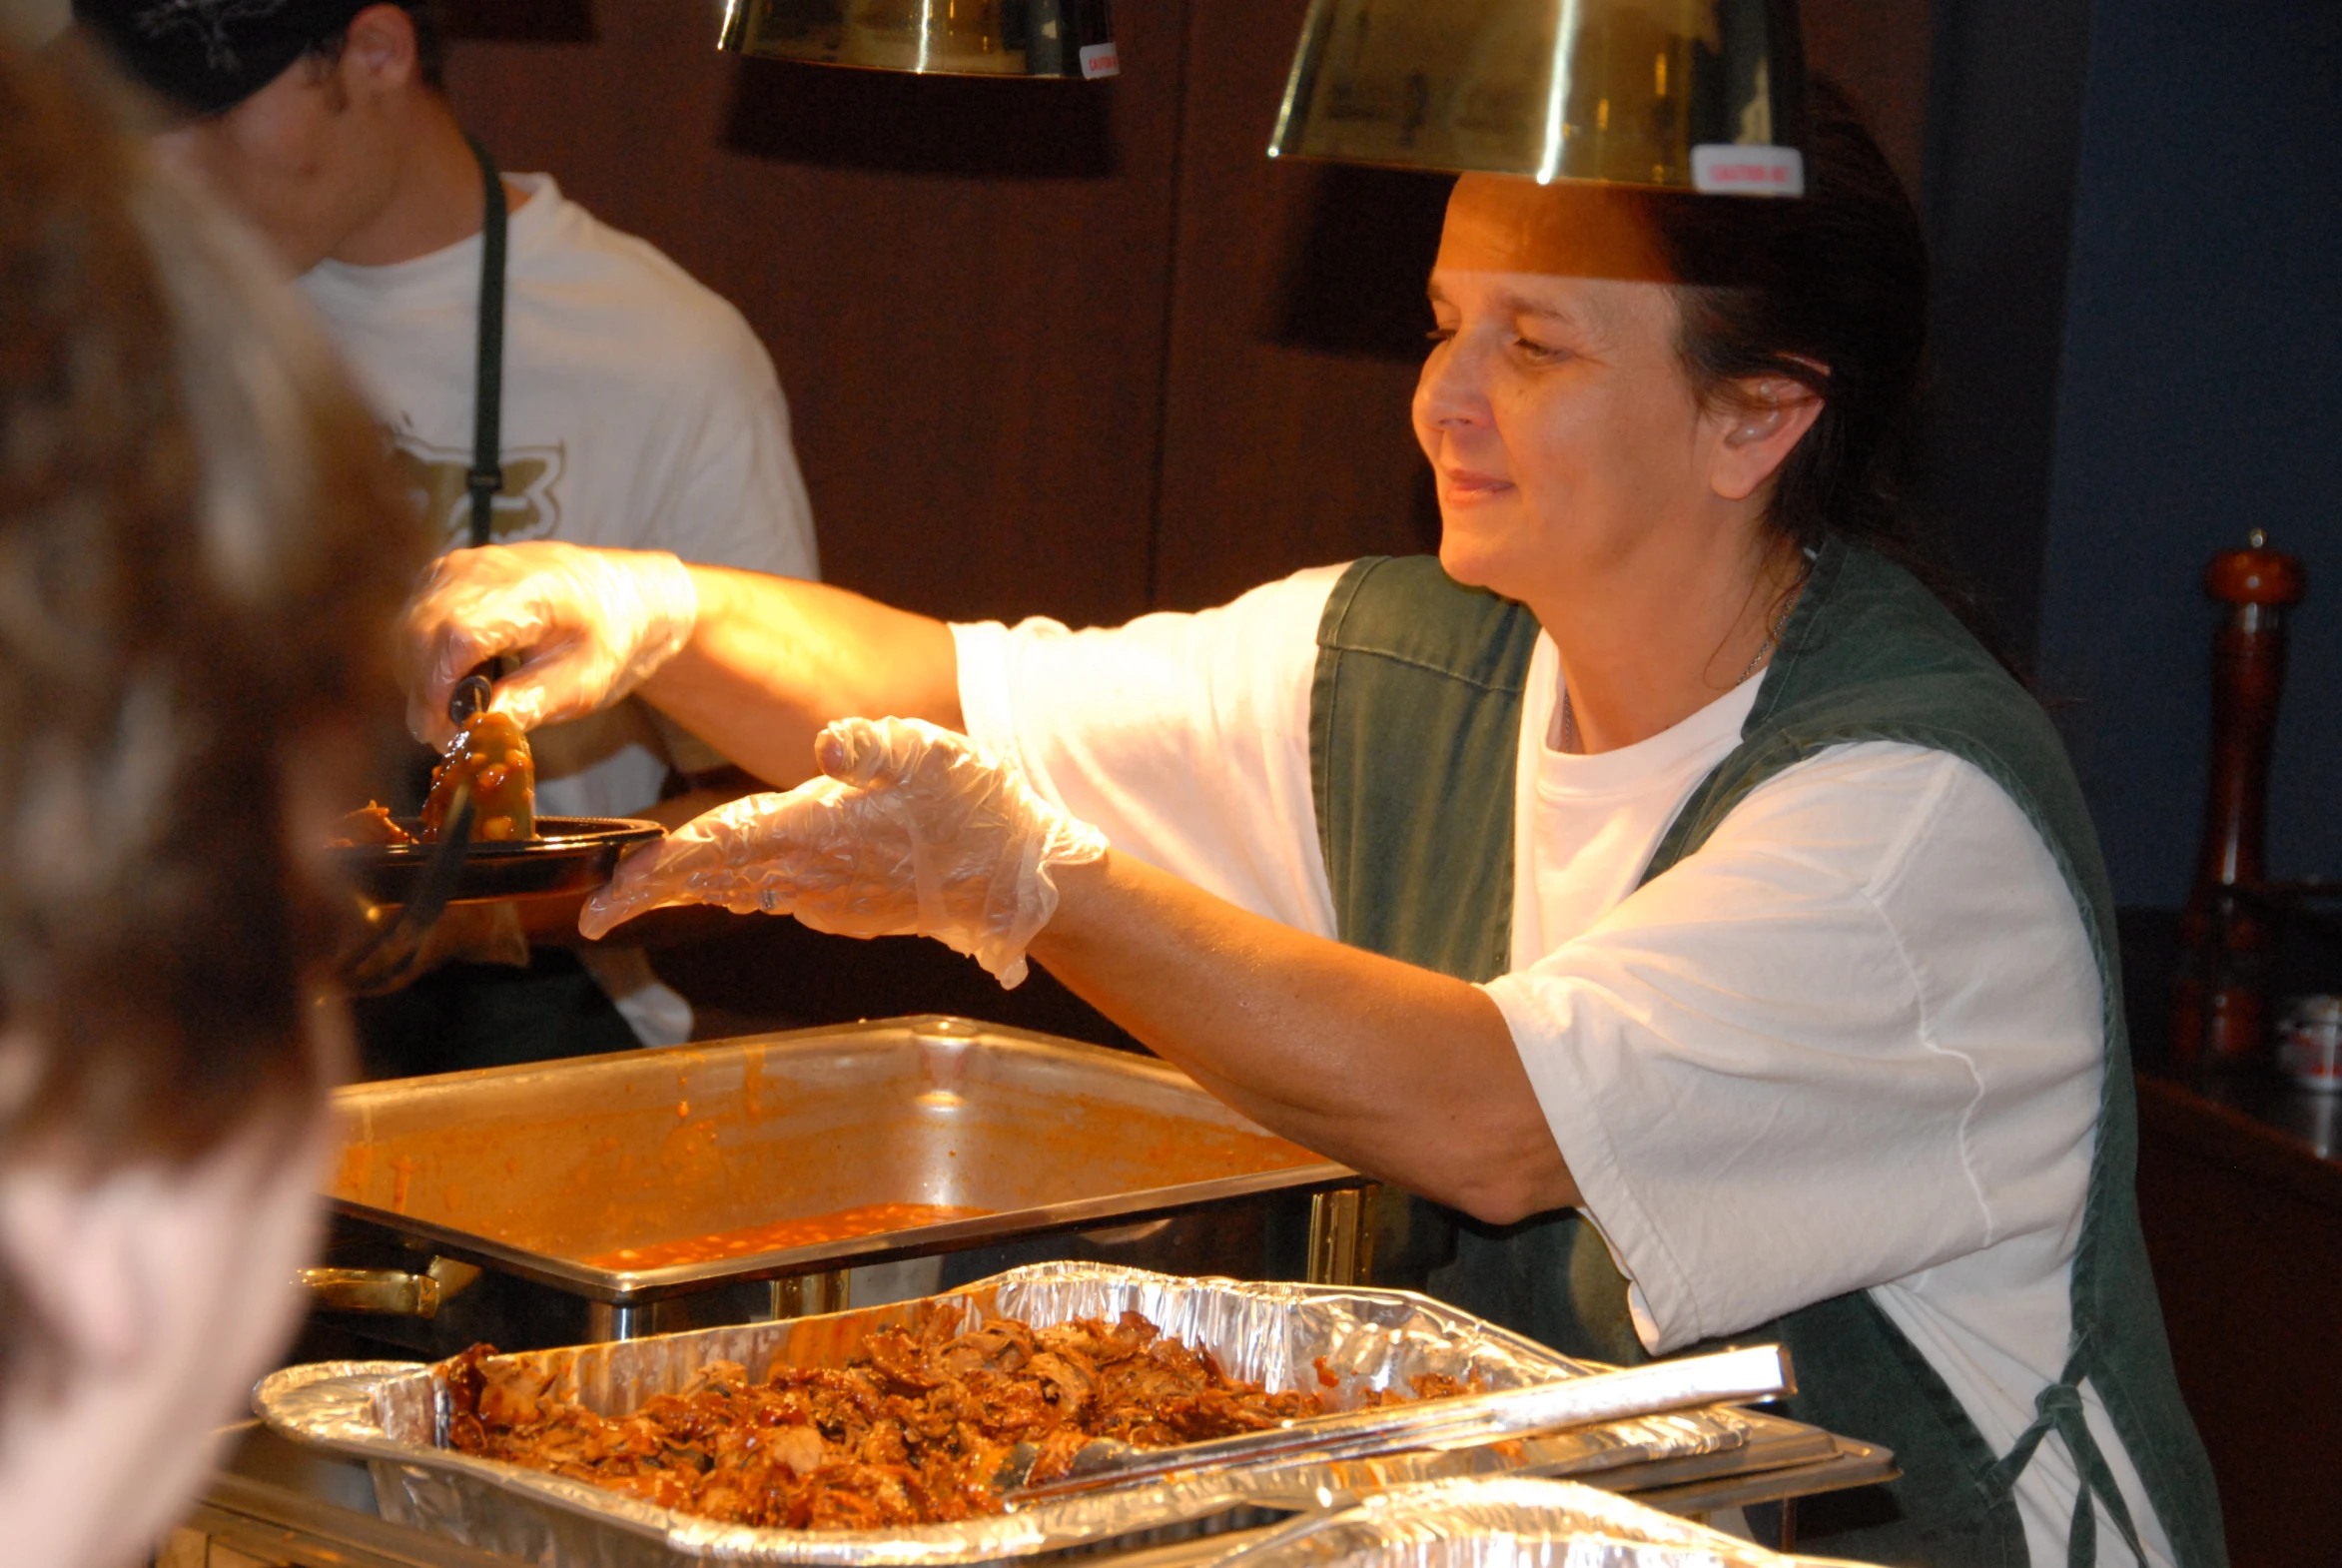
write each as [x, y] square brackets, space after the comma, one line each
[972, 344]
[1071, 349]
[1068, 346]
[1280, 451]
[1880, 53]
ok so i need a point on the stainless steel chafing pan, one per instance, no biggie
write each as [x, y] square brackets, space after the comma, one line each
[529, 1171]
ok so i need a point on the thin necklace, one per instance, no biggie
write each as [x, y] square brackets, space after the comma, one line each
[1569, 718]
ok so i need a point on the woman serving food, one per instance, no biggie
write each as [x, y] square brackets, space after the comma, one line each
[1663, 877]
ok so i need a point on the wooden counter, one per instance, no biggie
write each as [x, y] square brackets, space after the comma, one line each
[2240, 1191]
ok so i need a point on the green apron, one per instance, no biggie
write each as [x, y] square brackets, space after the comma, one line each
[1414, 726]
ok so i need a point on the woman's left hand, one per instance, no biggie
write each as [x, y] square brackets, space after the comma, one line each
[913, 831]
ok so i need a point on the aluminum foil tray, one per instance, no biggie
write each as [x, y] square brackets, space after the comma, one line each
[1501, 1522]
[393, 1416]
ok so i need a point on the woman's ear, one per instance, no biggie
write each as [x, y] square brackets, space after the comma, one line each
[1762, 422]
[74, 1246]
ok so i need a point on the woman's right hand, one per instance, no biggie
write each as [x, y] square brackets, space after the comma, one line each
[912, 831]
[589, 625]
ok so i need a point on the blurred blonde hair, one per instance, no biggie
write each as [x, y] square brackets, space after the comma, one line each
[200, 556]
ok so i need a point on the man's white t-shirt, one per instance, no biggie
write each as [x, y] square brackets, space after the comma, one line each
[1851, 1043]
[640, 411]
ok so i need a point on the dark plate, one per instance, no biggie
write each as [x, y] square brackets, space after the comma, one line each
[568, 855]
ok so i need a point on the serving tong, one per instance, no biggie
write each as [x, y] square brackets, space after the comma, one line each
[1757, 1372]
[385, 960]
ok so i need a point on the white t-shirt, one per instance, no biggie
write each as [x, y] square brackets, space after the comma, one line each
[1851, 1043]
[640, 411]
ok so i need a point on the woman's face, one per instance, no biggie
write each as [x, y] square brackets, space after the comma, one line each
[1566, 439]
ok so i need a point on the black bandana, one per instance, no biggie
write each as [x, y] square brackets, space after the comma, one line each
[208, 56]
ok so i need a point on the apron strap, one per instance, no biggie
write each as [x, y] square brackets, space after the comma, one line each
[487, 475]
[2060, 1406]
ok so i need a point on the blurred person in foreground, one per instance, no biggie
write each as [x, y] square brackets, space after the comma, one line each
[199, 554]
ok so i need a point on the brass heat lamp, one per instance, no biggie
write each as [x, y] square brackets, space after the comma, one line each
[1689, 95]
[1045, 38]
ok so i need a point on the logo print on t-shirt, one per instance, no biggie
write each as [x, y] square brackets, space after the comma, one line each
[527, 506]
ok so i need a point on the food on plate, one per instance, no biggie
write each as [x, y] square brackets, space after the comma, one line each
[869, 1219]
[918, 1428]
[369, 823]
[491, 754]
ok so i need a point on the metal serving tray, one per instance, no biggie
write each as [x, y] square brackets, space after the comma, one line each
[532, 1169]
[393, 1416]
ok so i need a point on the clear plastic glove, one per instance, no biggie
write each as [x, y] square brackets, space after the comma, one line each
[913, 831]
[590, 625]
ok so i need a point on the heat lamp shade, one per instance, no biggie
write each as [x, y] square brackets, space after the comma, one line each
[1690, 95]
[1044, 38]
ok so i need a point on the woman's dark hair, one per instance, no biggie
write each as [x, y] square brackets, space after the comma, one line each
[1830, 291]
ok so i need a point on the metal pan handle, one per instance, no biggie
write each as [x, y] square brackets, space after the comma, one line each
[389, 1292]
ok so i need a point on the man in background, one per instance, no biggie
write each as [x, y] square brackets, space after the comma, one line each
[637, 408]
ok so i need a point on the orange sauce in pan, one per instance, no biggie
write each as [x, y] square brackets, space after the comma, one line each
[869, 1219]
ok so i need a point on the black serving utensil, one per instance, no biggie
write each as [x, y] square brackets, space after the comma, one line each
[470, 695]
[1724, 1377]
[385, 960]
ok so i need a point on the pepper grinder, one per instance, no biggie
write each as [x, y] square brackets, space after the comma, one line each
[2218, 1005]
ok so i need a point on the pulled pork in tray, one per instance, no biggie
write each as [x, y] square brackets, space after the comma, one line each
[914, 1431]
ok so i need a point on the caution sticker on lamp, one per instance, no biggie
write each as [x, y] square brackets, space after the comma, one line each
[1728, 169]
